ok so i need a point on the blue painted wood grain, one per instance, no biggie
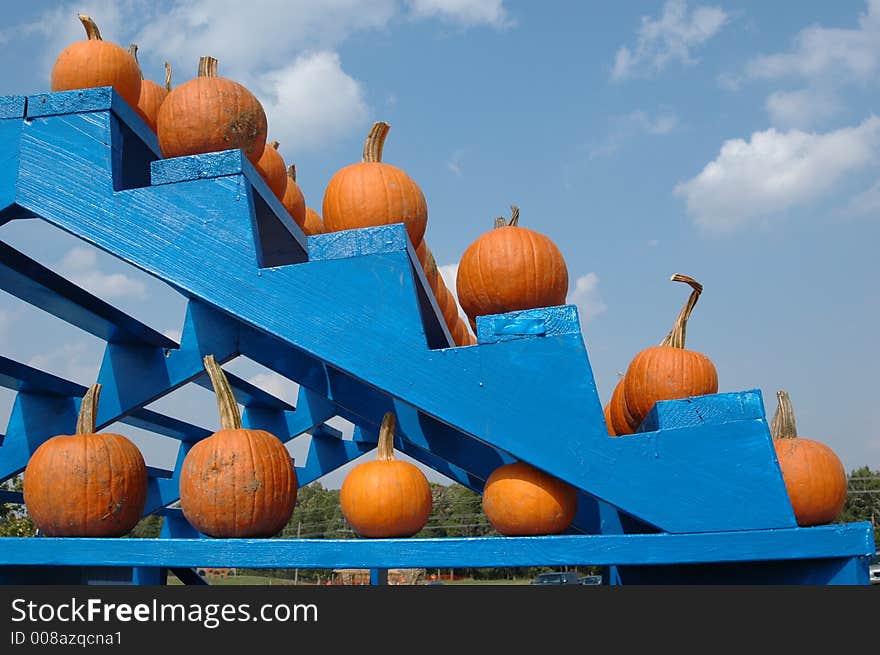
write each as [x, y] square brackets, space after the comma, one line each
[783, 545]
[544, 322]
[12, 106]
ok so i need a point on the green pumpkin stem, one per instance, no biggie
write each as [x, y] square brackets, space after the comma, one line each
[168, 77]
[230, 417]
[386, 438]
[783, 425]
[86, 421]
[676, 336]
[207, 67]
[291, 172]
[375, 142]
[92, 30]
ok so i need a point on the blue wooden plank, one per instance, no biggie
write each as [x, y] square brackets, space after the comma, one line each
[832, 541]
[700, 410]
[21, 377]
[247, 394]
[13, 106]
[543, 322]
[7, 496]
[218, 261]
[167, 426]
[357, 243]
[35, 418]
[70, 102]
[197, 167]
[326, 454]
[32, 282]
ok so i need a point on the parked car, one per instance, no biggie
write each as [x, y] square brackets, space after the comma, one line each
[874, 569]
[591, 579]
[556, 577]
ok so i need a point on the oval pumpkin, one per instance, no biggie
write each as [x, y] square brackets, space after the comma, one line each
[237, 482]
[152, 94]
[294, 201]
[88, 484]
[272, 169]
[371, 193]
[94, 63]
[621, 418]
[669, 371]
[386, 497]
[313, 224]
[814, 476]
[521, 500]
[508, 269]
[210, 113]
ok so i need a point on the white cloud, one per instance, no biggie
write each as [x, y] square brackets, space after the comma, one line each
[774, 171]
[310, 101]
[277, 385]
[672, 37]
[801, 108]
[469, 13]
[628, 126]
[866, 203]
[75, 361]
[81, 267]
[587, 298]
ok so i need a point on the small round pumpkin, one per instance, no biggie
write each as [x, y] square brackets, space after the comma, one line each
[386, 497]
[313, 224]
[94, 63]
[294, 201]
[272, 169]
[522, 500]
[237, 482]
[814, 476]
[508, 269]
[669, 371]
[152, 94]
[210, 113]
[88, 484]
[371, 193]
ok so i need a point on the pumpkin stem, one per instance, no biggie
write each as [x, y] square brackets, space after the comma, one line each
[500, 221]
[291, 172]
[133, 51]
[168, 77]
[274, 145]
[92, 30]
[514, 215]
[207, 67]
[676, 336]
[386, 438]
[783, 425]
[88, 411]
[375, 142]
[230, 418]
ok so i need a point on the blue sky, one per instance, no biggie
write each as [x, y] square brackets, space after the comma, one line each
[734, 142]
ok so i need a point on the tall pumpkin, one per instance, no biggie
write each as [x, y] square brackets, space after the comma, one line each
[814, 476]
[669, 371]
[94, 63]
[386, 497]
[272, 169]
[210, 113]
[371, 193]
[294, 201]
[88, 484]
[237, 482]
[152, 94]
[522, 500]
[510, 268]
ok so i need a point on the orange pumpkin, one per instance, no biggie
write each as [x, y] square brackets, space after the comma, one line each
[622, 420]
[88, 484]
[372, 192]
[386, 497]
[521, 500]
[510, 268]
[460, 333]
[429, 265]
[447, 304]
[814, 476]
[210, 113]
[152, 94]
[272, 169]
[94, 63]
[669, 371]
[313, 224]
[609, 424]
[294, 201]
[237, 482]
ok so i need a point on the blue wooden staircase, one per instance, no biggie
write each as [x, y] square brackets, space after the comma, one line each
[696, 496]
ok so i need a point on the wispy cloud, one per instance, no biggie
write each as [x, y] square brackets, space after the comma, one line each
[587, 298]
[81, 266]
[76, 361]
[277, 385]
[628, 126]
[773, 171]
[866, 203]
[469, 13]
[671, 37]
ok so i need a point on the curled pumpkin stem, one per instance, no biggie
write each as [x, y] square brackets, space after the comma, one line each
[168, 77]
[86, 421]
[230, 417]
[783, 425]
[676, 336]
[375, 142]
[208, 67]
[92, 30]
[386, 438]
